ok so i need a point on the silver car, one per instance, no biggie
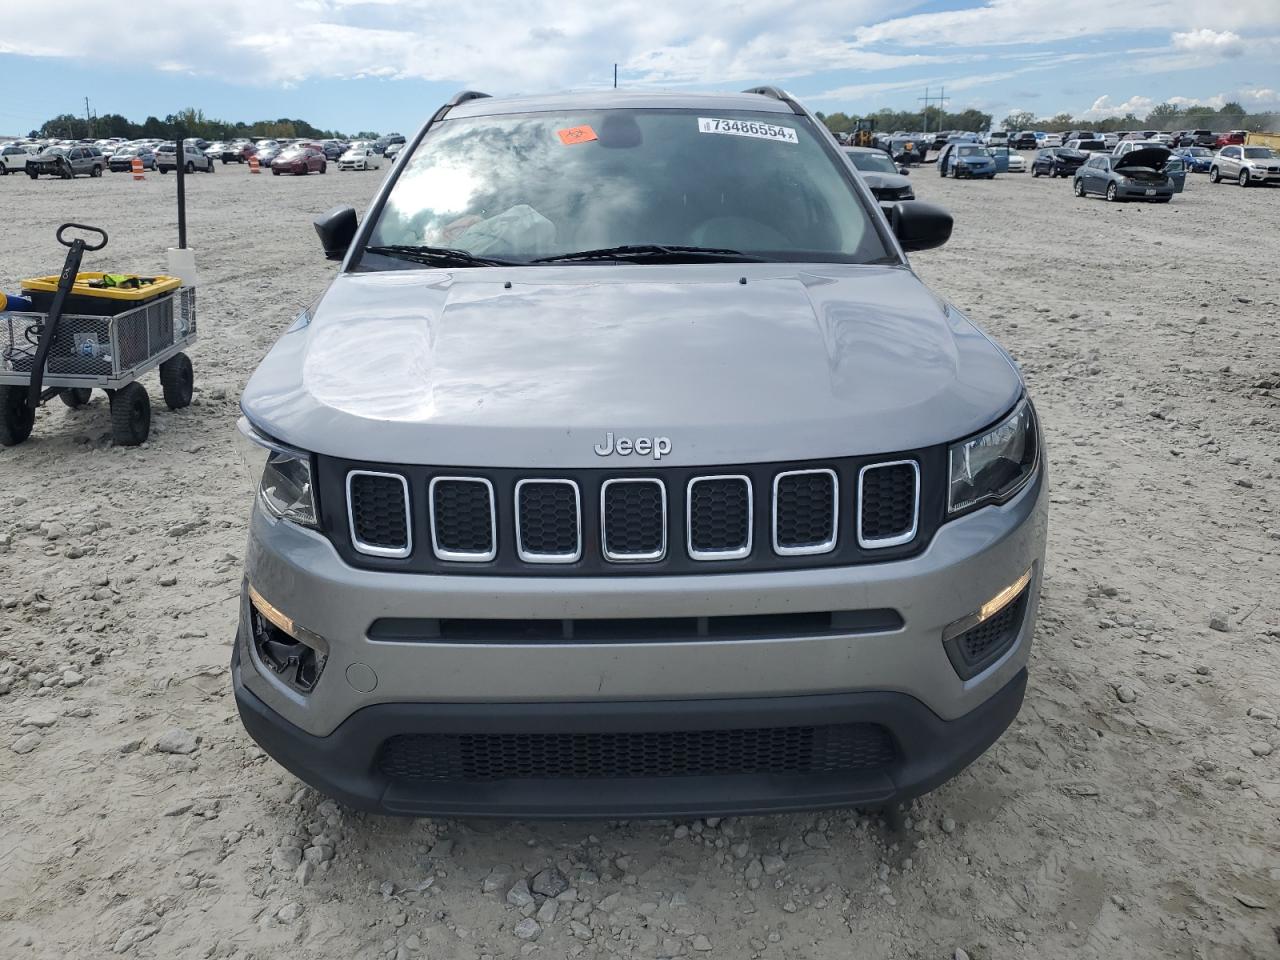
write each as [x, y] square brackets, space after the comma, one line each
[1246, 165]
[627, 469]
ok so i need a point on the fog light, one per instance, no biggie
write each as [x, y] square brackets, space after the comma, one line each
[975, 642]
[294, 653]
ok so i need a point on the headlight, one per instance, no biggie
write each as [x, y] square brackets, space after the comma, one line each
[995, 465]
[280, 476]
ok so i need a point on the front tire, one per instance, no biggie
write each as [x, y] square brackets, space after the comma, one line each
[1243, 179]
[96, 172]
[1113, 195]
[177, 380]
[1078, 188]
[189, 167]
[130, 415]
[17, 417]
[1214, 175]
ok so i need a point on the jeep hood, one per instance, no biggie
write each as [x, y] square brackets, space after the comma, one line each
[532, 366]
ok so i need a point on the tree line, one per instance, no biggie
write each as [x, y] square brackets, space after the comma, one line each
[192, 122]
[931, 118]
[1163, 116]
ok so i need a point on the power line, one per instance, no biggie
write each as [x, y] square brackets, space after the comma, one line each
[941, 100]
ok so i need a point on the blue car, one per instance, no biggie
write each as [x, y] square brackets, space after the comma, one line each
[1196, 159]
[966, 160]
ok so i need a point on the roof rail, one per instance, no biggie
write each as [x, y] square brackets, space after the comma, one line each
[462, 96]
[777, 93]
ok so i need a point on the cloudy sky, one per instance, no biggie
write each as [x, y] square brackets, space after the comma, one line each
[386, 64]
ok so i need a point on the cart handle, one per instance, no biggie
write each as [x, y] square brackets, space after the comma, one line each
[81, 226]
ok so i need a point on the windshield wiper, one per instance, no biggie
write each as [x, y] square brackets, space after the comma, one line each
[437, 256]
[670, 253]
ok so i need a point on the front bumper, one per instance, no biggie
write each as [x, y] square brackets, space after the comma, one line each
[345, 764]
[1263, 176]
[900, 679]
[1140, 192]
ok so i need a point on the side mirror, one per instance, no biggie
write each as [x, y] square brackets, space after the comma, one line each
[904, 170]
[918, 225]
[336, 229]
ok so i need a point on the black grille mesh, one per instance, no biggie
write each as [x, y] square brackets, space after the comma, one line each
[806, 509]
[633, 518]
[719, 515]
[548, 517]
[463, 516]
[888, 501]
[378, 511]
[977, 648]
[679, 753]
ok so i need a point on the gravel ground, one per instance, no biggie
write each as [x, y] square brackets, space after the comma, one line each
[1133, 808]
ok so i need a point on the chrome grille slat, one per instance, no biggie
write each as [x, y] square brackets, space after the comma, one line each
[375, 529]
[719, 529]
[795, 525]
[650, 542]
[477, 530]
[552, 521]
[880, 504]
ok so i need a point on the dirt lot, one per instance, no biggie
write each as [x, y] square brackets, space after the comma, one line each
[1133, 809]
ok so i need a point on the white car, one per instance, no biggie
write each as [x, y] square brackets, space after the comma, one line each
[1048, 140]
[393, 151]
[1128, 146]
[360, 158]
[13, 159]
[1110, 139]
[1017, 164]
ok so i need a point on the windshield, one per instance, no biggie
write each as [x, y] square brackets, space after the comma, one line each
[1258, 153]
[873, 162]
[1200, 152]
[970, 151]
[525, 186]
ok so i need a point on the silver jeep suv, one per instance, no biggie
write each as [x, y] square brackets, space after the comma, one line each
[627, 469]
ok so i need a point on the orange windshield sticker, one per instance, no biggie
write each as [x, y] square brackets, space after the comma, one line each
[574, 135]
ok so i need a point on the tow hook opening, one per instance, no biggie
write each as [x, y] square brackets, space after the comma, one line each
[293, 653]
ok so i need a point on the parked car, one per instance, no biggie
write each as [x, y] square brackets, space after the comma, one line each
[268, 153]
[360, 157]
[13, 159]
[1110, 139]
[966, 160]
[333, 149]
[887, 180]
[195, 158]
[1128, 146]
[299, 159]
[1203, 138]
[1017, 164]
[1229, 138]
[394, 150]
[122, 159]
[997, 138]
[225, 153]
[1196, 159]
[1045, 141]
[1135, 175]
[1088, 146]
[648, 614]
[1246, 165]
[67, 162]
[1025, 140]
[1057, 162]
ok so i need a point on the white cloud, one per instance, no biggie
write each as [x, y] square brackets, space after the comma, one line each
[1103, 108]
[1222, 43]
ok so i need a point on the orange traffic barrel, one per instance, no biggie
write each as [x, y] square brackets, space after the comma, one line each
[136, 165]
[254, 166]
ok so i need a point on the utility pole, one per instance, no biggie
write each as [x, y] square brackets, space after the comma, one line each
[940, 100]
[88, 121]
[615, 76]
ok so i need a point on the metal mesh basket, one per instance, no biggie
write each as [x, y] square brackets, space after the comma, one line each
[99, 347]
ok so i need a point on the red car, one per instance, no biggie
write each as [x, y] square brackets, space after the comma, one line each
[1227, 139]
[299, 158]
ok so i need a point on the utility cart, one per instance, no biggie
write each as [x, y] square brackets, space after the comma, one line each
[91, 331]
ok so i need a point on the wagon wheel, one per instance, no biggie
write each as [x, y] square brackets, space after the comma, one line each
[17, 416]
[178, 381]
[75, 397]
[130, 415]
